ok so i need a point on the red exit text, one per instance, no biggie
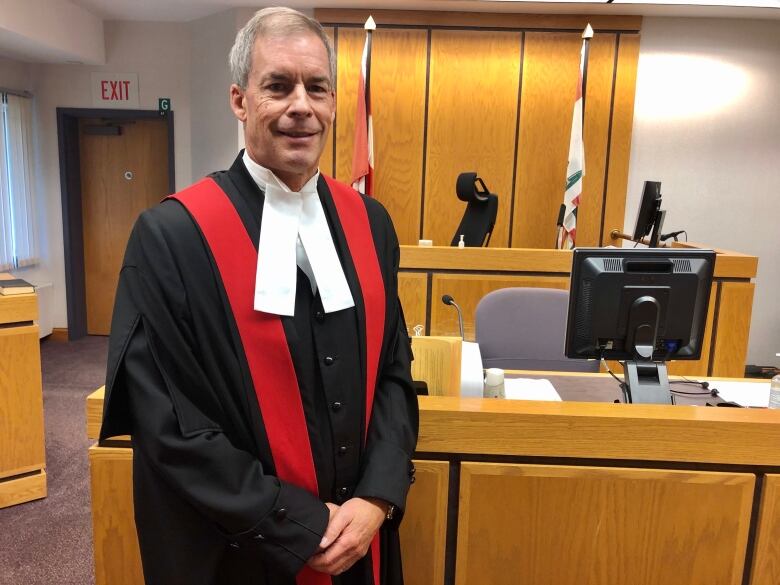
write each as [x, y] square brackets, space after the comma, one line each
[115, 90]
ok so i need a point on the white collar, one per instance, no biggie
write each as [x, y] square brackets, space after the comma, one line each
[294, 232]
[262, 176]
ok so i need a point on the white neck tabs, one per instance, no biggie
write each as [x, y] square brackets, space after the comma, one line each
[294, 229]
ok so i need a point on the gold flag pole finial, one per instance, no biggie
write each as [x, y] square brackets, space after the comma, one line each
[371, 25]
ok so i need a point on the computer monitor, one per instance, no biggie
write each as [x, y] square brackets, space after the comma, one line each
[649, 216]
[644, 306]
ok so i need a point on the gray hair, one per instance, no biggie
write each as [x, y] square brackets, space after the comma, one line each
[277, 21]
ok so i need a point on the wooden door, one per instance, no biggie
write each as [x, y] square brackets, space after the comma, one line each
[124, 170]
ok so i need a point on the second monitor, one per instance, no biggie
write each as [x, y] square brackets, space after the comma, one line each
[644, 306]
[650, 216]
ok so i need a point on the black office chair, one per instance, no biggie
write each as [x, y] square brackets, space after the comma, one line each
[481, 210]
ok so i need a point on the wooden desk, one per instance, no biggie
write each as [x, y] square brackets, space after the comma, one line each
[22, 456]
[468, 274]
[563, 493]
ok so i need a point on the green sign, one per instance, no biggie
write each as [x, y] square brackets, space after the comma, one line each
[164, 105]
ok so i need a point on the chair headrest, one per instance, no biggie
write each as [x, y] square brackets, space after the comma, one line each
[466, 188]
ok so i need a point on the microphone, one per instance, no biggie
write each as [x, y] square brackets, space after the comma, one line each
[674, 235]
[448, 300]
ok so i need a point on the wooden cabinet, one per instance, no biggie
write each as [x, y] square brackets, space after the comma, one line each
[424, 527]
[22, 458]
[117, 556]
[557, 493]
[766, 561]
[581, 525]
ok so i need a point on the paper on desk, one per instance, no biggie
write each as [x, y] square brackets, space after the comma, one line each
[528, 389]
[743, 393]
[471, 381]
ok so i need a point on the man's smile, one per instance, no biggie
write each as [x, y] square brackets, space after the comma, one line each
[298, 133]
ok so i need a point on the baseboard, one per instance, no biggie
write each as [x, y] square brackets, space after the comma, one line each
[58, 334]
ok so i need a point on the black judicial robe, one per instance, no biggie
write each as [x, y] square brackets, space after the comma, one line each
[208, 506]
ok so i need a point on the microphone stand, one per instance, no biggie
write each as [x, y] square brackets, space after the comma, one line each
[448, 300]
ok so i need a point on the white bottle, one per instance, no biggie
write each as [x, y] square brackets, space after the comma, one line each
[461, 243]
[494, 383]
[774, 392]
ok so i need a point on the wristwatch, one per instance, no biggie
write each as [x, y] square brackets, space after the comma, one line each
[390, 512]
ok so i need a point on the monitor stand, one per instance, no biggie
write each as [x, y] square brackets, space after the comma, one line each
[658, 225]
[647, 383]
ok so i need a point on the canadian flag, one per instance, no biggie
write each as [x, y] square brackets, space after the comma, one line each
[363, 155]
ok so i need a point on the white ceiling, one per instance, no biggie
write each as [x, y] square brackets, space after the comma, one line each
[156, 10]
[187, 10]
[71, 31]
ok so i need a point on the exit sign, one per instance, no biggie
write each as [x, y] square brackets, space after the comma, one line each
[115, 90]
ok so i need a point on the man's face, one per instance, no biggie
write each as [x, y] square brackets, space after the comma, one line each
[288, 105]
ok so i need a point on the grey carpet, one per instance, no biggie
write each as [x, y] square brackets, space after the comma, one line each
[49, 541]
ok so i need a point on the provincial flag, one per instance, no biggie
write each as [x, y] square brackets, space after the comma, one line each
[575, 170]
[363, 154]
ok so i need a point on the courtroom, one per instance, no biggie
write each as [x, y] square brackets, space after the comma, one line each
[421, 292]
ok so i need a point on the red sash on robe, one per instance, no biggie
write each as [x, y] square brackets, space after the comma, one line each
[262, 334]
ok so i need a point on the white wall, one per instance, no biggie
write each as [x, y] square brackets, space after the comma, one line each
[15, 75]
[707, 125]
[160, 54]
[213, 122]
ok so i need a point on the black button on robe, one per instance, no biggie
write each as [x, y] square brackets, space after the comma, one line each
[209, 509]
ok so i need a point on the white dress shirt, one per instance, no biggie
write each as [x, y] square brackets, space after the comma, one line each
[294, 233]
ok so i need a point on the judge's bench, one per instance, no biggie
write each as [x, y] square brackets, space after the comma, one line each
[583, 491]
[558, 493]
[468, 274]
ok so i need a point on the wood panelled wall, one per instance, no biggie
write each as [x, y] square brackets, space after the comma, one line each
[454, 92]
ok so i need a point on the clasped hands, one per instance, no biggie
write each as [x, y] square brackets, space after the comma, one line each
[351, 528]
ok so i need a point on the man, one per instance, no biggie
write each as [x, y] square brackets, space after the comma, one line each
[258, 353]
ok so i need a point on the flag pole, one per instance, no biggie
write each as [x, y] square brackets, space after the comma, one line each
[370, 27]
[587, 34]
[575, 168]
[363, 151]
